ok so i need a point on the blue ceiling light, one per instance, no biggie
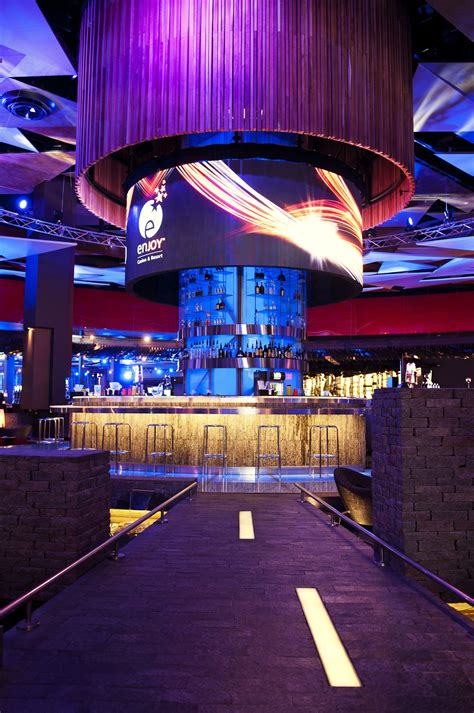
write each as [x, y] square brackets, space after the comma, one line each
[23, 203]
[29, 105]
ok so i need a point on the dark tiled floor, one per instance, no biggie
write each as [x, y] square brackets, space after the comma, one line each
[194, 620]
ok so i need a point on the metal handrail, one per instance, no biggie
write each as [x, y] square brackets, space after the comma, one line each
[383, 545]
[114, 540]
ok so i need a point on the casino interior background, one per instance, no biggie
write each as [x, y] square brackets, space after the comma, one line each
[418, 293]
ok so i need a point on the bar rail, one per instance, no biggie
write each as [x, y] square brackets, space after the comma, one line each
[28, 597]
[380, 546]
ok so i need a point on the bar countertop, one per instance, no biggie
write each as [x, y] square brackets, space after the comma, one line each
[214, 405]
[242, 417]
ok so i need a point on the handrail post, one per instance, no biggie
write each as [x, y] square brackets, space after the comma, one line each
[29, 624]
[116, 555]
[163, 519]
[379, 555]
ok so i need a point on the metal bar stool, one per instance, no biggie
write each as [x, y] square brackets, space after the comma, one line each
[114, 429]
[165, 432]
[208, 455]
[51, 429]
[273, 455]
[324, 441]
[78, 435]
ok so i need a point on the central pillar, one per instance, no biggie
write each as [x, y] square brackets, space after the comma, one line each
[242, 330]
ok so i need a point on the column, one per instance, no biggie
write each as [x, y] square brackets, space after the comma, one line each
[49, 289]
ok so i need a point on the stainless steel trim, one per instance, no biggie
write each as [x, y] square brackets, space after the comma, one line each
[242, 411]
[386, 546]
[214, 405]
[28, 597]
[244, 363]
[240, 400]
[242, 329]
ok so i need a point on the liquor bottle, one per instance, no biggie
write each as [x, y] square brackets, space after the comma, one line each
[257, 288]
[282, 291]
[262, 289]
[239, 353]
[221, 352]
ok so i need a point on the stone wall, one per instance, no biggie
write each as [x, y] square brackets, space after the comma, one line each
[54, 507]
[423, 473]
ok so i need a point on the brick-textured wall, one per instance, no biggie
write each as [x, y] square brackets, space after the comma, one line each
[54, 507]
[423, 473]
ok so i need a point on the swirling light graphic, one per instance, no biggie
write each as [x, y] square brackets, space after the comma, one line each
[329, 231]
[150, 185]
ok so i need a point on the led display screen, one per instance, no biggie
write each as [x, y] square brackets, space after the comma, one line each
[245, 212]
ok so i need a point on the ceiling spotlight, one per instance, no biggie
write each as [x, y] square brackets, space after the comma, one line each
[23, 203]
[410, 223]
[74, 76]
[29, 105]
[448, 214]
[147, 338]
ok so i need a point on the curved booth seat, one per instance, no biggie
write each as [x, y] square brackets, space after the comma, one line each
[355, 490]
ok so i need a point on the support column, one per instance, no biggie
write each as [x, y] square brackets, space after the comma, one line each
[47, 328]
[10, 377]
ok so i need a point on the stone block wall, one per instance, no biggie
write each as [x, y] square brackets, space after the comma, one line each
[423, 473]
[54, 507]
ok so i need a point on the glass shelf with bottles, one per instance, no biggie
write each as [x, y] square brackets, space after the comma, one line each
[207, 297]
[247, 347]
[275, 296]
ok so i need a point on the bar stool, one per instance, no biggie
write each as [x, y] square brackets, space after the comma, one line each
[207, 454]
[267, 455]
[165, 432]
[78, 434]
[113, 428]
[51, 429]
[324, 452]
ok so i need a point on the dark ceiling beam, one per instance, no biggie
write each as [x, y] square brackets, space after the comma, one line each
[428, 158]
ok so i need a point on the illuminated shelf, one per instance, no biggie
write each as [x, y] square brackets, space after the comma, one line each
[244, 363]
[251, 330]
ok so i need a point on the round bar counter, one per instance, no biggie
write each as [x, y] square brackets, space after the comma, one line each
[240, 414]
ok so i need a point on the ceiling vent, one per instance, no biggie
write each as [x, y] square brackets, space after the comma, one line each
[28, 105]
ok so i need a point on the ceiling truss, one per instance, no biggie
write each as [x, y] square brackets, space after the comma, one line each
[372, 242]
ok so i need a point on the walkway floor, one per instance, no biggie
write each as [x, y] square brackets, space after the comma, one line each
[194, 620]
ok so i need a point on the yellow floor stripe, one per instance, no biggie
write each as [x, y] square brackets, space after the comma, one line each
[336, 662]
[246, 525]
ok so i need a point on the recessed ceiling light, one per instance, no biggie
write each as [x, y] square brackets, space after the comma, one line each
[28, 105]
